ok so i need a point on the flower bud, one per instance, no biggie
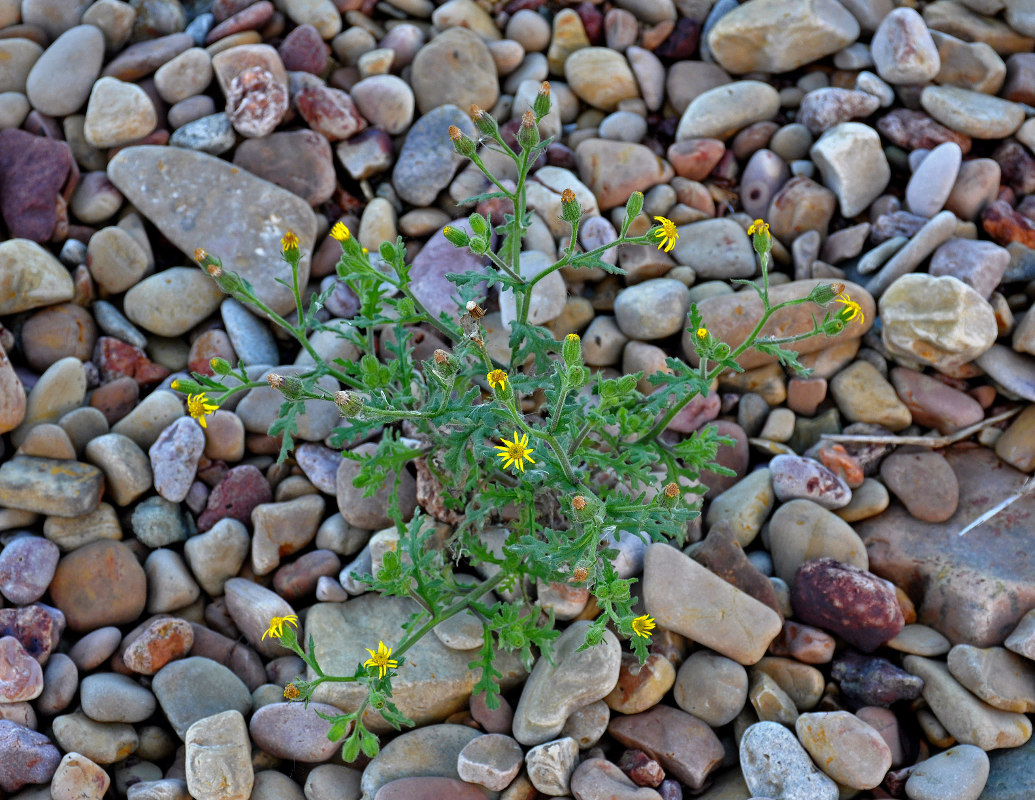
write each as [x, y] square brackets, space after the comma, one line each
[670, 495]
[348, 404]
[220, 366]
[571, 350]
[291, 692]
[447, 364]
[579, 574]
[571, 211]
[633, 206]
[483, 120]
[462, 143]
[479, 225]
[287, 385]
[457, 236]
[186, 385]
[575, 375]
[528, 133]
[585, 508]
[541, 104]
[823, 293]
[479, 245]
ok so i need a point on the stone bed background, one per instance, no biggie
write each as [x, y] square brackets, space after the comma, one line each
[143, 557]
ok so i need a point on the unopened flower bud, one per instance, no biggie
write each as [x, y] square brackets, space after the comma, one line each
[456, 236]
[479, 245]
[571, 350]
[475, 310]
[528, 133]
[348, 403]
[462, 143]
[580, 574]
[446, 363]
[633, 206]
[823, 293]
[483, 120]
[479, 224]
[220, 366]
[186, 385]
[541, 104]
[571, 211]
[584, 508]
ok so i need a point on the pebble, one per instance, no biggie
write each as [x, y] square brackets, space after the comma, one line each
[492, 761]
[653, 309]
[711, 687]
[903, 50]
[217, 757]
[60, 80]
[981, 265]
[161, 641]
[598, 777]
[801, 531]
[78, 777]
[109, 697]
[740, 40]
[21, 676]
[27, 567]
[30, 757]
[862, 394]
[720, 112]
[550, 765]
[851, 751]
[795, 477]
[973, 113]
[775, 764]
[601, 77]
[685, 746]
[744, 507]
[281, 529]
[195, 688]
[102, 742]
[578, 677]
[932, 181]
[965, 717]
[1001, 678]
[430, 753]
[960, 772]
[715, 248]
[936, 321]
[30, 277]
[866, 613]
[288, 730]
[686, 598]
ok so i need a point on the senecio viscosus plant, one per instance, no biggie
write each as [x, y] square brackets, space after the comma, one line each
[536, 433]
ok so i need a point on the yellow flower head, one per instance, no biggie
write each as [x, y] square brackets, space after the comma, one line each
[340, 232]
[758, 226]
[642, 626]
[851, 308]
[381, 659]
[667, 234]
[276, 628]
[289, 241]
[291, 692]
[702, 333]
[199, 407]
[515, 452]
[200, 254]
[497, 378]
[573, 337]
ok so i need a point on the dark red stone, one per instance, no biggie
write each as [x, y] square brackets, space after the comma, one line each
[224, 9]
[330, 112]
[873, 681]
[1017, 165]
[32, 626]
[1020, 78]
[235, 496]
[303, 50]
[914, 130]
[681, 44]
[592, 21]
[641, 768]
[35, 172]
[298, 579]
[1005, 225]
[117, 359]
[850, 602]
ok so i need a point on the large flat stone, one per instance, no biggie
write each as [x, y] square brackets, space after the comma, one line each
[434, 681]
[50, 486]
[197, 200]
[974, 589]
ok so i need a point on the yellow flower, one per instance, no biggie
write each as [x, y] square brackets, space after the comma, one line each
[291, 692]
[289, 241]
[497, 377]
[381, 659]
[758, 226]
[340, 232]
[276, 628]
[702, 333]
[515, 452]
[199, 407]
[668, 234]
[851, 308]
[642, 626]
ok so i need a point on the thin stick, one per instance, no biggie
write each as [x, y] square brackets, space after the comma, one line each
[1026, 487]
[923, 441]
